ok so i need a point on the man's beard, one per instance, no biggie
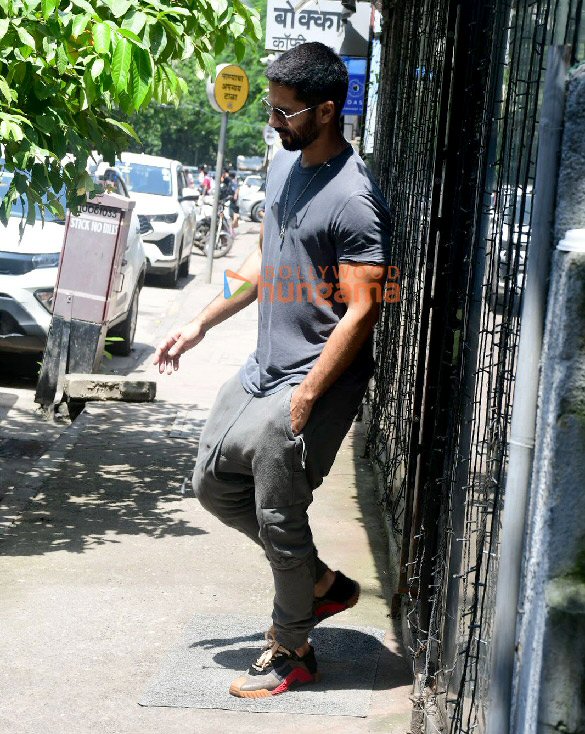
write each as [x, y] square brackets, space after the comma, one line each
[301, 138]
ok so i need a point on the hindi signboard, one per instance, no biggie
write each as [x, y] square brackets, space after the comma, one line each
[231, 88]
[288, 25]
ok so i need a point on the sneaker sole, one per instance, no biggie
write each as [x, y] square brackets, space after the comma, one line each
[295, 679]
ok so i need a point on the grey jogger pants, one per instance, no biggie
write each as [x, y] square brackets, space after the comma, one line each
[255, 475]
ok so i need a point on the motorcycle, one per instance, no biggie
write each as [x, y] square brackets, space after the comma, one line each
[224, 233]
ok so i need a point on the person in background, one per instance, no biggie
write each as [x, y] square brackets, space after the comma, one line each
[234, 204]
[207, 183]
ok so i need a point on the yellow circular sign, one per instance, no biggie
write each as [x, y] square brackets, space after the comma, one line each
[231, 88]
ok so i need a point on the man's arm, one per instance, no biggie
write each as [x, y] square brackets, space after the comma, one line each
[179, 341]
[362, 287]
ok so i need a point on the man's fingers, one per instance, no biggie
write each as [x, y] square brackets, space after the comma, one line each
[163, 347]
[177, 349]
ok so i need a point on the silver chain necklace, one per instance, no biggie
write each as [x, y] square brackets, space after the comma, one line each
[285, 213]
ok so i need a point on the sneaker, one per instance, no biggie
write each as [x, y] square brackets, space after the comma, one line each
[343, 594]
[277, 670]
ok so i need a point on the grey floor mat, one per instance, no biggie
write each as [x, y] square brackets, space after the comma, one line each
[215, 650]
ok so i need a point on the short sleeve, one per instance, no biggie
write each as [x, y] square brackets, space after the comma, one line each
[362, 229]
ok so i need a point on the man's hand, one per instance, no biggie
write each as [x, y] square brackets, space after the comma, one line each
[300, 409]
[175, 344]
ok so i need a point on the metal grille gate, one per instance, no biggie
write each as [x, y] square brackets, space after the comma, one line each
[455, 150]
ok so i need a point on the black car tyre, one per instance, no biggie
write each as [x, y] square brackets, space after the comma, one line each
[184, 268]
[169, 280]
[257, 213]
[126, 330]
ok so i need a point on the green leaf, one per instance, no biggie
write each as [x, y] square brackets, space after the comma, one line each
[135, 22]
[85, 183]
[49, 7]
[89, 86]
[96, 68]
[240, 48]
[62, 60]
[84, 5]
[219, 45]
[5, 90]
[132, 37]
[219, 6]
[10, 130]
[46, 123]
[101, 38]
[189, 48]
[26, 37]
[4, 25]
[79, 25]
[141, 76]
[121, 64]
[255, 18]
[209, 63]
[128, 129]
[119, 8]
[158, 39]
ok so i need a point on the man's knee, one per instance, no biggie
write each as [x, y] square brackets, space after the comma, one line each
[286, 536]
[203, 489]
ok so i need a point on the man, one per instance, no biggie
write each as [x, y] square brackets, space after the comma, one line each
[276, 426]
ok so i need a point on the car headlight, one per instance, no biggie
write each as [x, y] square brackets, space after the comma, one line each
[45, 297]
[167, 218]
[46, 260]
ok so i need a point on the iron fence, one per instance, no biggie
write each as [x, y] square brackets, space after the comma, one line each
[455, 152]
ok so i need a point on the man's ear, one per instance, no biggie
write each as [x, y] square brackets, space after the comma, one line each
[327, 111]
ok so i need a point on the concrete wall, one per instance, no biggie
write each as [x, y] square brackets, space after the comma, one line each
[550, 665]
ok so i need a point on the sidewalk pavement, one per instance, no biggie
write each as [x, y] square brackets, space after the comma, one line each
[111, 560]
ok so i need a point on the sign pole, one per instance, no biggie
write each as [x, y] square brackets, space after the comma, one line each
[218, 170]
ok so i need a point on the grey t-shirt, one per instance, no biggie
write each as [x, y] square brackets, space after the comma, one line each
[339, 216]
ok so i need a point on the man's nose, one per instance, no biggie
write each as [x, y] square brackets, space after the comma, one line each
[275, 120]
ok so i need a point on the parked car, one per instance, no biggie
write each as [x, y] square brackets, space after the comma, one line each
[166, 203]
[251, 183]
[28, 274]
[252, 202]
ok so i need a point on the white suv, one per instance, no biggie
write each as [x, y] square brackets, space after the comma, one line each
[166, 206]
[28, 274]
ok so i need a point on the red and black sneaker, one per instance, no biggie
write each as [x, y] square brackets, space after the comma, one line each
[342, 594]
[277, 670]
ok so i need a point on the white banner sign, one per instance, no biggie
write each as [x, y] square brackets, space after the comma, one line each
[292, 22]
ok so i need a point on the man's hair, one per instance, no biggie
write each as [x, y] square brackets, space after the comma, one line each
[314, 71]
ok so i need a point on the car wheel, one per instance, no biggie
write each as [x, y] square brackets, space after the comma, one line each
[184, 266]
[169, 280]
[126, 330]
[256, 213]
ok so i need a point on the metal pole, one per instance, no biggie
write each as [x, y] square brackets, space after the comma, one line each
[218, 167]
[523, 428]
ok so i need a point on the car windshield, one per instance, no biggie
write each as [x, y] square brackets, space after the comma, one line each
[20, 211]
[141, 178]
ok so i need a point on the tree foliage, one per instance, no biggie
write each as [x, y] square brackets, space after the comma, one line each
[68, 66]
[190, 132]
